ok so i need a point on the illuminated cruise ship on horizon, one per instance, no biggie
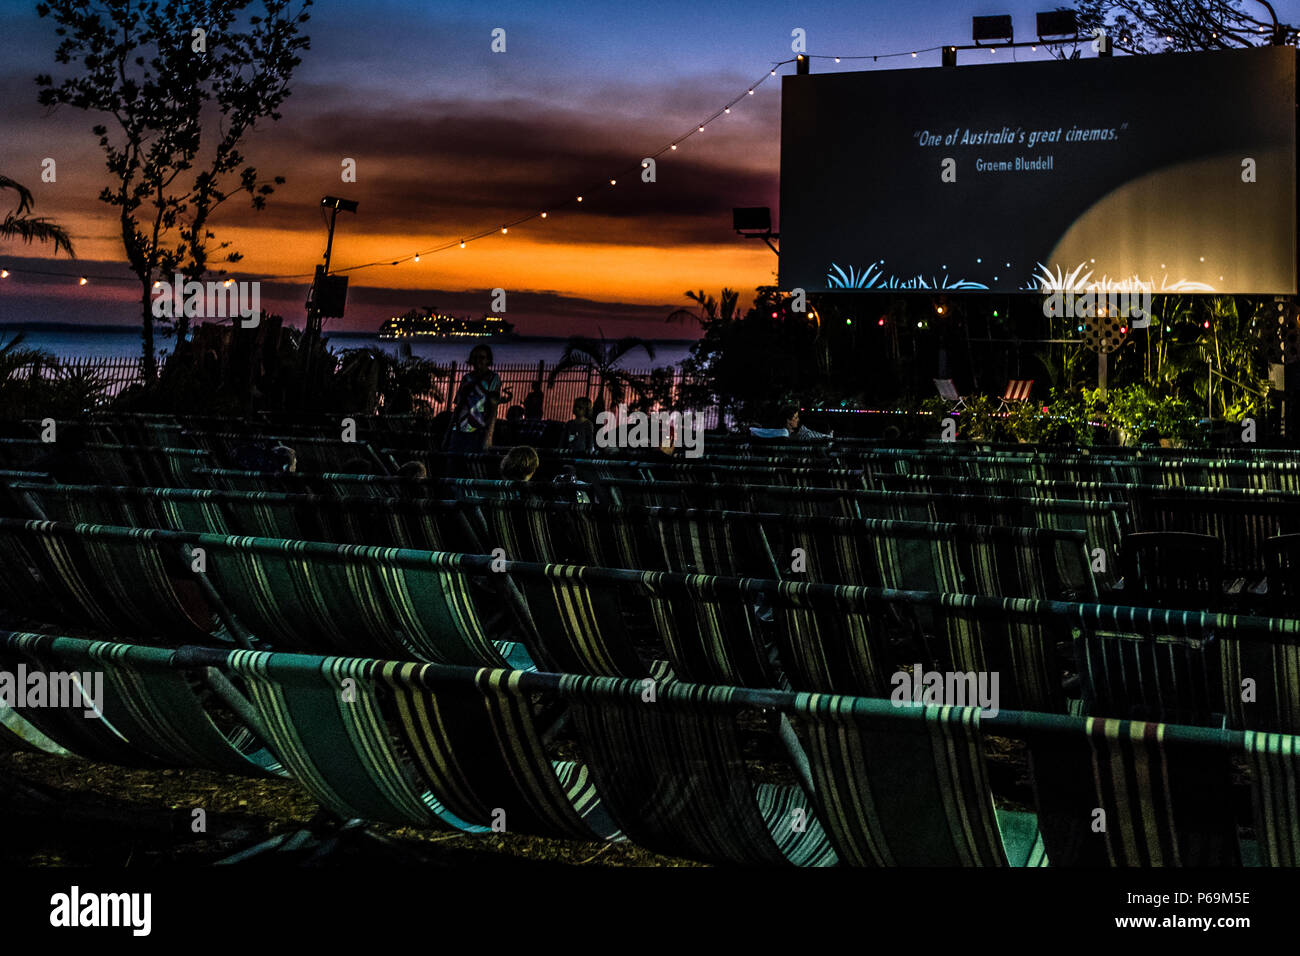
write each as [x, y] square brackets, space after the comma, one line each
[428, 324]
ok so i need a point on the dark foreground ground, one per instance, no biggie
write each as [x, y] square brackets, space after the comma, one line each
[61, 811]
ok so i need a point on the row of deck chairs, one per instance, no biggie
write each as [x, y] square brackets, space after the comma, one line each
[520, 668]
[870, 784]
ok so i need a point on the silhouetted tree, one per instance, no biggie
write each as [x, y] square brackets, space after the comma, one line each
[156, 68]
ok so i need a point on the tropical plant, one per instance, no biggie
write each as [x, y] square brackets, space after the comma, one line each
[34, 382]
[371, 380]
[712, 309]
[601, 357]
[1142, 414]
[21, 225]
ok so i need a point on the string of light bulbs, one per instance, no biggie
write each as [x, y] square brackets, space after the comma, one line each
[576, 199]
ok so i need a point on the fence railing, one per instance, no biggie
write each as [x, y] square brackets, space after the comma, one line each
[517, 380]
[109, 375]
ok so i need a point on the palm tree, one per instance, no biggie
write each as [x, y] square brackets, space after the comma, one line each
[20, 225]
[714, 309]
[601, 357]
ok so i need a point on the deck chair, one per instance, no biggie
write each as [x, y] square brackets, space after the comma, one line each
[1282, 554]
[1173, 569]
[1018, 390]
[947, 389]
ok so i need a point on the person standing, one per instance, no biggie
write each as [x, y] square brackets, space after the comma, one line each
[580, 431]
[474, 411]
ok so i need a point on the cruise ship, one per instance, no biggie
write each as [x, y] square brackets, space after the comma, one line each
[428, 324]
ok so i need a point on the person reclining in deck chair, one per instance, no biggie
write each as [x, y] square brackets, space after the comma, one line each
[799, 432]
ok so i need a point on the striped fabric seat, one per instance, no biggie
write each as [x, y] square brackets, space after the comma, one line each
[973, 559]
[1018, 390]
[386, 522]
[121, 581]
[672, 774]
[150, 716]
[1134, 794]
[351, 598]
[151, 465]
[335, 723]
[908, 786]
[1243, 523]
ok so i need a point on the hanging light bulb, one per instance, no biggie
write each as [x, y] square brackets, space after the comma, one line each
[579, 199]
[4, 274]
[83, 281]
[727, 110]
[701, 129]
[613, 182]
[462, 243]
[543, 215]
[674, 145]
[417, 257]
[913, 56]
[751, 92]
[504, 230]
[837, 59]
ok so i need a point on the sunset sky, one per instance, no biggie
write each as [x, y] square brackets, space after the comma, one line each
[451, 139]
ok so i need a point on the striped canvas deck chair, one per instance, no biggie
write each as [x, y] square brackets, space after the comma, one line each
[471, 748]
[1126, 793]
[673, 776]
[314, 597]
[844, 503]
[142, 465]
[546, 532]
[1274, 761]
[176, 509]
[947, 390]
[919, 786]
[1267, 653]
[726, 543]
[1244, 523]
[1143, 674]
[1017, 393]
[112, 580]
[151, 714]
[1177, 569]
[842, 640]
[14, 502]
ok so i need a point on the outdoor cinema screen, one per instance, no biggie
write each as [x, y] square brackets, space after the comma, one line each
[1172, 172]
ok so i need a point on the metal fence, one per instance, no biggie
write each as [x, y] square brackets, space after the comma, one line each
[517, 379]
[109, 375]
